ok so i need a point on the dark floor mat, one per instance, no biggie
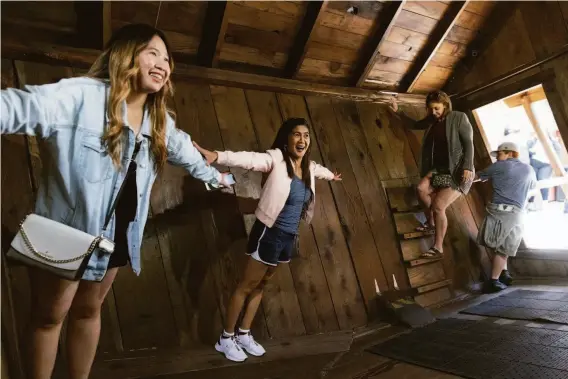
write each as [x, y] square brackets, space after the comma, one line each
[526, 305]
[482, 350]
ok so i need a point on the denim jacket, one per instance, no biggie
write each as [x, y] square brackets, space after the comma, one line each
[80, 181]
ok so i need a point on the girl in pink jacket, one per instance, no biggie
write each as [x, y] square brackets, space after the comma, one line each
[287, 196]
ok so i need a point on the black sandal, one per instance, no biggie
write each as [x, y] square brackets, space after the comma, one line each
[432, 253]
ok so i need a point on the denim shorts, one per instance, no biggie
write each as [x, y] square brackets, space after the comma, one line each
[270, 245]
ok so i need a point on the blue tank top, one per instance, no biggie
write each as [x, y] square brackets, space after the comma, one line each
[289, 218]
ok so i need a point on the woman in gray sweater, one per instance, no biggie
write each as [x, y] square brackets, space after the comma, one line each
[446, 162]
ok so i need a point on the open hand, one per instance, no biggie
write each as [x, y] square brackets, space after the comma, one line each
[468, 176]
[336, 176]
[210, 156]
[393, 104]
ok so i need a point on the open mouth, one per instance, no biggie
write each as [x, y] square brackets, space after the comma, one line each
[157, 77]
[300, 148]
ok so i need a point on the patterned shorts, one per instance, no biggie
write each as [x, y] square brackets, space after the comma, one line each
[443, 181]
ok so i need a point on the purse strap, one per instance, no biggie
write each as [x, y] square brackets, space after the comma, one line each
[132, 159]
[117, 198]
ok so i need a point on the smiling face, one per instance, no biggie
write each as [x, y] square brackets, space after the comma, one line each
[154, 66]
[437, 109]
[298, 141]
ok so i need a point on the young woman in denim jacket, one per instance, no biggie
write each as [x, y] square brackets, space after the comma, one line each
[287, 195]
[91, 127]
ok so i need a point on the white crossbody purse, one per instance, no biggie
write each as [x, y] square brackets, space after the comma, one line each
[55, 247]
[59, 248]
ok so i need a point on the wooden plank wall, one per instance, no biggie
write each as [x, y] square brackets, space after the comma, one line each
[534, 30]
[194, 242]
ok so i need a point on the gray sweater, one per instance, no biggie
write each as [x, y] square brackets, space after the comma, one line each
[459, 133]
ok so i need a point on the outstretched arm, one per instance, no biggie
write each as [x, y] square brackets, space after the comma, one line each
[181, 152]
[410, 122]
[244, 159]
[38, 110]
[321, 172]
[488, 173]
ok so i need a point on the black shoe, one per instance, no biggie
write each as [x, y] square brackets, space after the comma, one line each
[492, 286]
[506, 278]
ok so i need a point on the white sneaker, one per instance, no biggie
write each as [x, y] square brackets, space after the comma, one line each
[247, 342]
[231, 349]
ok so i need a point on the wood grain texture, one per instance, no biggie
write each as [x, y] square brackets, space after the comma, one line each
[151, 312]
[372, 193]
[383, 25]
[426, 274]
[192, 272]
[545, 26]
[348, 200]
[313, 16]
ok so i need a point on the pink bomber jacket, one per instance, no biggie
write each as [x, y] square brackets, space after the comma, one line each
[277, 187]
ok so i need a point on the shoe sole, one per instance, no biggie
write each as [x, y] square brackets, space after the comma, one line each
[251, 352]
[218, 348]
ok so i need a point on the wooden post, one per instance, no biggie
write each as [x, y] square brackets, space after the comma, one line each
[555, 162]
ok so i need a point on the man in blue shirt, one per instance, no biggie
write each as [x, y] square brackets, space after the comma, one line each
[502, 228]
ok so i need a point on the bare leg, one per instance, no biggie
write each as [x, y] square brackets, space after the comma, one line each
[499, 264]
[84, 325]
[254, 272]
[425, 193]
[51, 300]
[444, 198]
[254, 299]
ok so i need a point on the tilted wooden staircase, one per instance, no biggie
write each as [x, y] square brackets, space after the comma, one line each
[429, 278]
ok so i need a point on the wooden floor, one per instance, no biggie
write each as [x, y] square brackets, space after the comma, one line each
[333, 356]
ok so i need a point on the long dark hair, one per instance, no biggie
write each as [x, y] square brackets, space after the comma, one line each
[281, 142]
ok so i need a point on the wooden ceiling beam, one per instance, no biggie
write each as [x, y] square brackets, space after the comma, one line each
[382, 28]
[93, 23]
[314, 11]
[435, 39]
[213, 33]
[84, 58]
[490, 28]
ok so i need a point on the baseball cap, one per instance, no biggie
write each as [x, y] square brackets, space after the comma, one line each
[505, 146]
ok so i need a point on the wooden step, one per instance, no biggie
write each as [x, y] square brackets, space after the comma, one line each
[421, 261]
[402, 198]
[433, 286]
[415, 235]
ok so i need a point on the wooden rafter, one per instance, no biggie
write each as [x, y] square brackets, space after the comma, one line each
[314, 10]
[83, 58]
[93, 23]
[438, 35]
[383, 26]
[490, 28]
[213, 33]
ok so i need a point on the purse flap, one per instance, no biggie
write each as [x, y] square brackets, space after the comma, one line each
[53, 241]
